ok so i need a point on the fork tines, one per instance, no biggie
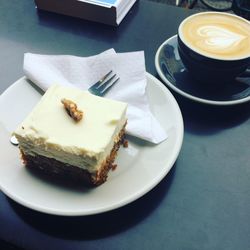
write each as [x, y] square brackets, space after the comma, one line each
[104, 84]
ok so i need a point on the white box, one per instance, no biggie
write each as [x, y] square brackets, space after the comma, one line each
[104, 11]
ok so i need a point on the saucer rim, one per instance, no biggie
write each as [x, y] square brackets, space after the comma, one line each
[185, 94]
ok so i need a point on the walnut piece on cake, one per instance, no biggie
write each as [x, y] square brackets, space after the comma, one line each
[72, 110]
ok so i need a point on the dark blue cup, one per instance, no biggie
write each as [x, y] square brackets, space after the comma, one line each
[209, 69]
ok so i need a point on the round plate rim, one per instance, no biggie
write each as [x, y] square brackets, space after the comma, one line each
[123, 202]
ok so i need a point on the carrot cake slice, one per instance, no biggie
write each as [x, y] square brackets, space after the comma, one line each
[73, 134]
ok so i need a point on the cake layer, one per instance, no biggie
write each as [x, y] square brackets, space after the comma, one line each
[50, 132]
[63, 171]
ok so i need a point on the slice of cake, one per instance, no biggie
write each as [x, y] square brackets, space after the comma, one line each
[73, 134]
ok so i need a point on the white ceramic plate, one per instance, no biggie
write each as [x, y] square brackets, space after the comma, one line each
[141, 166]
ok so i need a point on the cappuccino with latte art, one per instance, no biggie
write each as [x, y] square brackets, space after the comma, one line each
[217, 35]
[214, 46]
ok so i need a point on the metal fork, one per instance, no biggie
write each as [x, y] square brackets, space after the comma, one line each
[100, 89]
[104, 84]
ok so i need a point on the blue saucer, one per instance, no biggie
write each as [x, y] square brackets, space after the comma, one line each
[171, 70]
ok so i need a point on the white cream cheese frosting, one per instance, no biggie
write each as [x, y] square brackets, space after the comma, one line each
[49, 131]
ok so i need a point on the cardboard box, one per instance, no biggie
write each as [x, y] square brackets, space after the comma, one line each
[109, 12]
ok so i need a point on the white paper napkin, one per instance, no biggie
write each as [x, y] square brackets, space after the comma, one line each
[82, 72]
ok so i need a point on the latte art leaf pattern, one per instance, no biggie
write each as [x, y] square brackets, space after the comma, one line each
[217, 35]
[218, 38]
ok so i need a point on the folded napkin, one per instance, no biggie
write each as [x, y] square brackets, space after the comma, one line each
[82, 72]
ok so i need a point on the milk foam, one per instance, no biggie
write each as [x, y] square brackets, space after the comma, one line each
[218, 37]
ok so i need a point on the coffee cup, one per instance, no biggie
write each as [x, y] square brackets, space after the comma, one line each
[214, 46]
